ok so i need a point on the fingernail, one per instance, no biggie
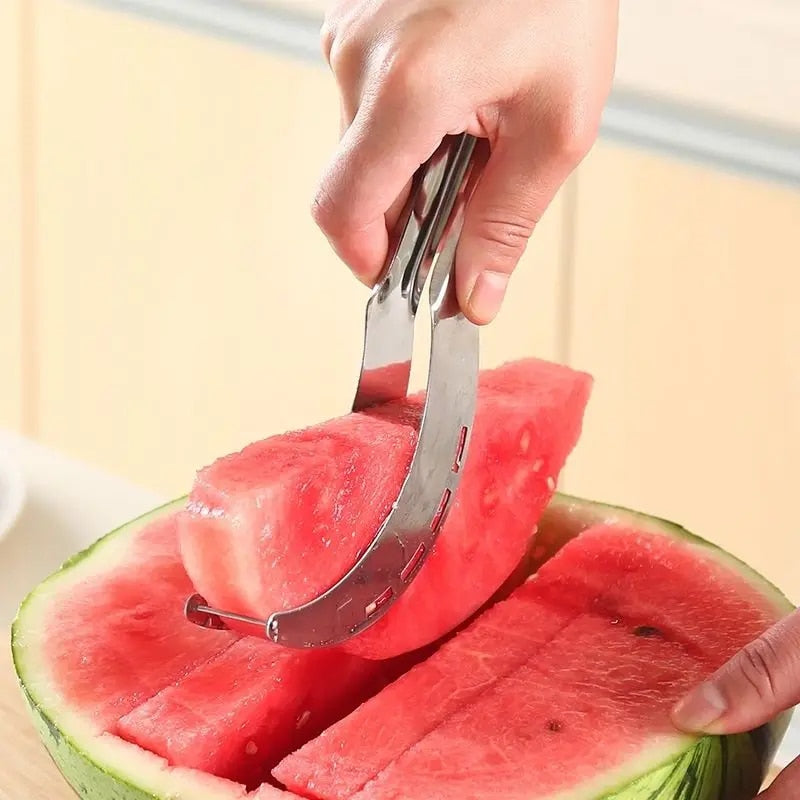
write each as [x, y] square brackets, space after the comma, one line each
[487, 295]
[700, 708]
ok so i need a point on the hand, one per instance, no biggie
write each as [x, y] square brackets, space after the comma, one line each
[530, 77]
[751, 689]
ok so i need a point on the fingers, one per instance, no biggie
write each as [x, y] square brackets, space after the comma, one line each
[396, 209]
[785, 786]
[752, 688]
[392, 134]
[347, 63]
[524, 172]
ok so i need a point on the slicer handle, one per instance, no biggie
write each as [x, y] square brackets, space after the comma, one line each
[424, 226]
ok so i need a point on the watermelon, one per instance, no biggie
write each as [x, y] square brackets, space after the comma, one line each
[559, 688]
[257, 520]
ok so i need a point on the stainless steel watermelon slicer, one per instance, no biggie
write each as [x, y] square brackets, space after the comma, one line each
[424, 245]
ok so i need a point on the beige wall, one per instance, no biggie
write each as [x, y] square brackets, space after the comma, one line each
[11, 227]
[685, 307]
[180, 302]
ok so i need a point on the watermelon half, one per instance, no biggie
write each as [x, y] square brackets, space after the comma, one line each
[559, 690]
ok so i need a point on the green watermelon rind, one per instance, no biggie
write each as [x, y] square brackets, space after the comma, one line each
[88, 778]
[714, 768]
[708, 768]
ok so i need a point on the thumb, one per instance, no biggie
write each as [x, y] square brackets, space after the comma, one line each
[756, 685]
[516, 185]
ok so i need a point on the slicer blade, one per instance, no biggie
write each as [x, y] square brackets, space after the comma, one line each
[425, 247]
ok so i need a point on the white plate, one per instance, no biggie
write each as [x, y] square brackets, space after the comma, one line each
[12, 492]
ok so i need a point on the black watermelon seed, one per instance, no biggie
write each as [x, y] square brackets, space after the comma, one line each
[646, 631]
[553, 725]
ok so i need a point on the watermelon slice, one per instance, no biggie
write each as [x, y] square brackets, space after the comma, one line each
[286, 703]
[560, 690]
[259, 518]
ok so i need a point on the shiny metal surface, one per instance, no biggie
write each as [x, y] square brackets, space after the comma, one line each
[392, 308]
[198, 612]
[424, 246]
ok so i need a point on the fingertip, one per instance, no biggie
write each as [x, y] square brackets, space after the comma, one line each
[699, 709]
[363, 252]
[484, 297]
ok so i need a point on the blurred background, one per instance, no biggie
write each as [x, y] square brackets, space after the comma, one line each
[165, 297]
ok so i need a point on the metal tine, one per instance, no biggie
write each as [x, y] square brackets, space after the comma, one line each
[429, 229]
[198, 612]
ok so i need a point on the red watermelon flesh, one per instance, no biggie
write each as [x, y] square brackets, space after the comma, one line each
[123, 655]
[552, 718]
[275, 700]
[351, 752]
[257, 519]
[501, 639]
[612, 647]
[648, 568]
[120, 636]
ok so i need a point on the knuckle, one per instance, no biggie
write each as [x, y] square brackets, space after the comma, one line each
[324, 211]
[507, 234]
[406, 69]
[344, 54]
[327, 36]
[334, 22]
[758, 664]
[333, 209]
[575, 132]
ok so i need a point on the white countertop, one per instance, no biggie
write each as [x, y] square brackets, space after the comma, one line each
[69, 505]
